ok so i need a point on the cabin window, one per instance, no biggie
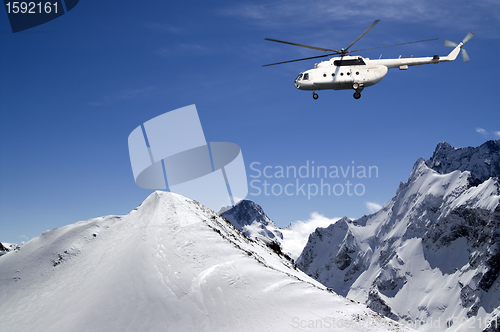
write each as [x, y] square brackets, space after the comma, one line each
[333, 74]
[324, 75]
[357, 73]
[341, 74]
[349, 62]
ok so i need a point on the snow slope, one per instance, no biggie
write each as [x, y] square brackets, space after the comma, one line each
[169, 265]
[430, 257]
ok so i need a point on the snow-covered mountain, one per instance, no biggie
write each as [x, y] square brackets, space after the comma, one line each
[483, 162]
[249, 218]
[7, 247]
[430, 257]
[169, 265]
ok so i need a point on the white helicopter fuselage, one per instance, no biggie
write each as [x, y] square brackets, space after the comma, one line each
[356, 72]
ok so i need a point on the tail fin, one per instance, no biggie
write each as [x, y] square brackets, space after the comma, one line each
[453, 54]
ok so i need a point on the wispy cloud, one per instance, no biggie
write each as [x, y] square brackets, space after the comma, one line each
[159, 27]
[282, 13]
[23, 238]
[182, 48]
[297, 233]
[481, 131]
[128, 94]
[373, 207]
[302, 12]
[485, 133]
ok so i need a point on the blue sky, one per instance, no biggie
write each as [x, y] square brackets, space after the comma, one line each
[73, 89]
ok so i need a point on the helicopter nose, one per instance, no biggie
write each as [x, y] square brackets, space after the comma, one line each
[297, 82]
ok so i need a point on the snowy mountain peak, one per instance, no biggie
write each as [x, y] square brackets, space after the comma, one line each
[7, 247]
[417, 170]
[246, 212]
[171, 264]
[431, 254]
[248, 217]
[483, 161]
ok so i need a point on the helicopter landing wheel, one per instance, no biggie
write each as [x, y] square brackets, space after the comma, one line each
[315, 96]
[357, 95]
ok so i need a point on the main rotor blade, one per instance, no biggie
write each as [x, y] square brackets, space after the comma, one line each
[372, 48]
[313, 57]
[369, 28]
[301, 45]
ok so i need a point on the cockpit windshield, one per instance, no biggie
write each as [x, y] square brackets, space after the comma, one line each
[299, 77]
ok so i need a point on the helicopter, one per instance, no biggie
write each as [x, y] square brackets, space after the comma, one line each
[346, 72]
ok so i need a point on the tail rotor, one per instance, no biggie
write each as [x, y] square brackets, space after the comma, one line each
[469, 36]
[465, 56]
